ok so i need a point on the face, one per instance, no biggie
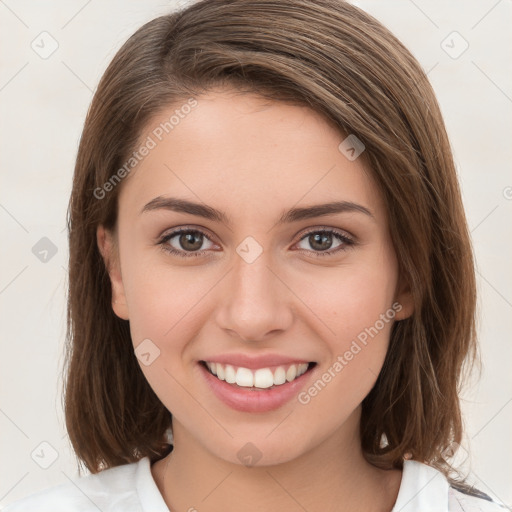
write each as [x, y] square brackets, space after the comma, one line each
[254, 278]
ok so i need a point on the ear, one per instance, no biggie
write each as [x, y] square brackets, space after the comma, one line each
[404, 301]
[109, 250]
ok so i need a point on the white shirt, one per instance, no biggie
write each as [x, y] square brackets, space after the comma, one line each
[131, 488]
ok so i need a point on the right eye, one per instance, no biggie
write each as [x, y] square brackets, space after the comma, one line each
[185, 242]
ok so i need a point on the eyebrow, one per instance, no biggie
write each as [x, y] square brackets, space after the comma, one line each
[292, 215]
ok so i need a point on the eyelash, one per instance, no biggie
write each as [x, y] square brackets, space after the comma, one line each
[347, 242]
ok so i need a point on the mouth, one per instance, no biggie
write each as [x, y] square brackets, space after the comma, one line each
[258, 379]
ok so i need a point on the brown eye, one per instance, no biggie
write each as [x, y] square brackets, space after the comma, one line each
[186, 242]
[190, 241]
[325, 242]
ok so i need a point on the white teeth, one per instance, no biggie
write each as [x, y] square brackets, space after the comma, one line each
[244, 377]
[291, 373]
[262, 378]
[301, 368]
[279, 376]
[230, 374]
[212, 367]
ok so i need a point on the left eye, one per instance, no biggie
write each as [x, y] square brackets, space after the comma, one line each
[188, 242]
[322, 242]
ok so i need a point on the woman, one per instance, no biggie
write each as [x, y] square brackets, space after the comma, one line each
[271, 289]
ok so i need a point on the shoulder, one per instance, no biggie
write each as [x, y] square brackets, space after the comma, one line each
[426, 489]
[109, 490]
[459, 500]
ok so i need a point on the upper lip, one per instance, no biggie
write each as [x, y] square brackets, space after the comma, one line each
[255, 362]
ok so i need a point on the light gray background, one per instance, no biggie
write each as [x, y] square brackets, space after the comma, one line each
[43, 102]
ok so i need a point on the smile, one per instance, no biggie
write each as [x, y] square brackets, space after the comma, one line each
[262, 378]
[267, 385]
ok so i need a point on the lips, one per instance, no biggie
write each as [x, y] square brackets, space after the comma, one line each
[255, 384]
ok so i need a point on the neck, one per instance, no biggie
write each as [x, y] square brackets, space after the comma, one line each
[191, 477]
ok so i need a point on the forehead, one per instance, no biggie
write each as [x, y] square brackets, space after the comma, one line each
[243, 151]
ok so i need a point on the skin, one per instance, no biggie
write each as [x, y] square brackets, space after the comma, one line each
[255, 159]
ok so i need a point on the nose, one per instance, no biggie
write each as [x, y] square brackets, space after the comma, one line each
[254, 302]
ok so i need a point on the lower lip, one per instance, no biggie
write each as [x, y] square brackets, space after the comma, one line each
[253, 399]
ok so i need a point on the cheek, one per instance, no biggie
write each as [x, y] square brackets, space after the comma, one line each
[163, 300]
[163, 307]
[356, 303]
[350, 300]
[167, 306]
[358, 308]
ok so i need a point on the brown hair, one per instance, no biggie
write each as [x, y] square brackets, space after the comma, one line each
[341, 62]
